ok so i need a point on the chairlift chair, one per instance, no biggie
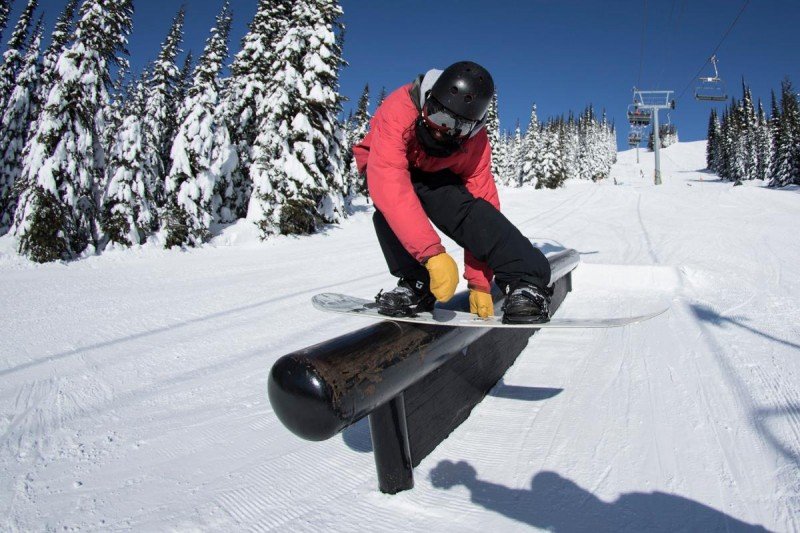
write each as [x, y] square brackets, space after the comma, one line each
[712, 88]
[639, 116]
[634, 138]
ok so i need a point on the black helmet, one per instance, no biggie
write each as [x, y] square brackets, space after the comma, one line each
[465, 88]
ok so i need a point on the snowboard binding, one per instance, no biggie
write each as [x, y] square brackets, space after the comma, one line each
[405, 300]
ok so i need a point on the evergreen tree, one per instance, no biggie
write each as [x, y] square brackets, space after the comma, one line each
[747, 139]
[570, 147]
[128, 210]
[56, 213]
[551, 169]
[199, 185]
[249, 85]
[356, 130]
[182, 85]
[15, 52]
[787, 138]
[513, 174]
[530, 149]
[160, 109]
[791, 113]
[712, 133]
[763, 145]
[493, 132]
[62, 33]
[381, 97]
[298, 171]
[22, 106]
[500, 158]
[5, 10]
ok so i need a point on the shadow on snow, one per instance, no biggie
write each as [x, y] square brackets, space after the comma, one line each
[557, 504]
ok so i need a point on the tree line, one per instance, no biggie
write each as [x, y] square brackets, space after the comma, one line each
[746, 144]
[544, 156]
[92, 157]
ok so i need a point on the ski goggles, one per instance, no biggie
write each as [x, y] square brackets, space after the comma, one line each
[440, 119]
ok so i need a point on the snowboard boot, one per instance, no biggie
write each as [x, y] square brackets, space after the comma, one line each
[526, 303]
[407, 299]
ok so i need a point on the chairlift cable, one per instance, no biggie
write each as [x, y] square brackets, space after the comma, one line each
[666, 37]
[725, 36]
[641, 53]
[675, 32]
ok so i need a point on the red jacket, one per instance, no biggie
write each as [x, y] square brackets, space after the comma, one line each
[386, 154]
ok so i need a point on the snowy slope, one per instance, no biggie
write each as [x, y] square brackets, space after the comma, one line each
[133, 384]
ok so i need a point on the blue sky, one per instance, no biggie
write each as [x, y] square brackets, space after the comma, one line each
[559, 54]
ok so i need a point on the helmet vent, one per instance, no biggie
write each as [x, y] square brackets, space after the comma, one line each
[453, 90]
[468, 98]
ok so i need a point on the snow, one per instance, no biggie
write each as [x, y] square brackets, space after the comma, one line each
[133, 384]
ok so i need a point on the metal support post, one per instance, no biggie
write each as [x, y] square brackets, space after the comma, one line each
[389, 431]
[654, 101]
[657, 147]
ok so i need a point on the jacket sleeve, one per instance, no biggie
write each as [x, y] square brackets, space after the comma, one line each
[479, 181]
[389, 182]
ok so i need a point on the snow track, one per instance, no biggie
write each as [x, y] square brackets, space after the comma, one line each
[133, 385]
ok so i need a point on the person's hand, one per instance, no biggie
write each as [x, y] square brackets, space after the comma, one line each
[444, 276]
[480, 303]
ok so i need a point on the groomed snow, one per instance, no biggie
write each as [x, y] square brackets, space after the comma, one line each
[133, 384]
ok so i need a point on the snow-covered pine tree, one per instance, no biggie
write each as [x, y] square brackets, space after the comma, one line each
[790, 113]
[570, 147]
[355, 132]
[56, 213]
[787, 138]
[298, 175]
[747, 138]
[493, 132]
[607, 146]
[763, 141]
[128, 210]
[15, 52]
[500, 158]
[738, 153]
[712, 140]
[551, 168]
[160, 121]
[381, 97]
[531, 147]
[182, 85]
[586, 158]
[726, 145]
[515, 158]
[5, 10]
[15, 120]
[62, 33]
[249, 85]
[112, 113]
[199, 186]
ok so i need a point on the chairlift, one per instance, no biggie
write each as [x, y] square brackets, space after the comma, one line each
[634, 138]
[638, 116]
[712, 88]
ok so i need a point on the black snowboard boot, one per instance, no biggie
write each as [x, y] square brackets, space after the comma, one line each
[526, 304]
[407, 299]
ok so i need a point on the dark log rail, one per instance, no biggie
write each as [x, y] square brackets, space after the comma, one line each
[416, 382]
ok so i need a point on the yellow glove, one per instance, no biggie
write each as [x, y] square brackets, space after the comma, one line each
[444, 276]
[480, 303]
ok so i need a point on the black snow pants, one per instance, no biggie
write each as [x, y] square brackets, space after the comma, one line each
[471, 222]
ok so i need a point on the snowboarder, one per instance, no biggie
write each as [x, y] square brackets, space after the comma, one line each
[427, 159]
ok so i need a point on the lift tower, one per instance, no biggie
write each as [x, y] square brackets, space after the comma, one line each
[650, 102]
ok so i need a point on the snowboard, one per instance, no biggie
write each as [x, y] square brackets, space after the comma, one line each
[350, 305]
